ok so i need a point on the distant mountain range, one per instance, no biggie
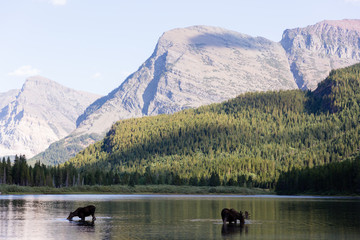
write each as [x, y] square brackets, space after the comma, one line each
[40, 113]
[201, 65]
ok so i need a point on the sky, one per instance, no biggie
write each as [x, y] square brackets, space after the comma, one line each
[93, 45]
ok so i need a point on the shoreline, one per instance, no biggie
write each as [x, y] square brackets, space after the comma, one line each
[138, 189]
[157, 189]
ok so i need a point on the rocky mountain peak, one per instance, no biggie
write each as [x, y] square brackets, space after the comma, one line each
[191, 67]
[38, 80]
[315, 50]
[206, 35]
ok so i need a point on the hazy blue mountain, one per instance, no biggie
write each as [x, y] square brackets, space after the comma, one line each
[8, 97]
[42, 112]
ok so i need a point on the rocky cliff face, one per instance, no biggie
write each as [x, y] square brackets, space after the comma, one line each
[191, 67]
[42, 112]
[315, 50]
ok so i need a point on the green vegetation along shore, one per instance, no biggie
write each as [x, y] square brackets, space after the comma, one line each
[125, 189]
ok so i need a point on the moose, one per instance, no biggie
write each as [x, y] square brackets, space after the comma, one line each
[231, 215]
[83, 212]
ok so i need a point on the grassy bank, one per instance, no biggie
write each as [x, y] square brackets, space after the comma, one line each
[138, 189]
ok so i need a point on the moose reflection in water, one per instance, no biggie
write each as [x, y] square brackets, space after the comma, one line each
[83, 212]
[233, 229]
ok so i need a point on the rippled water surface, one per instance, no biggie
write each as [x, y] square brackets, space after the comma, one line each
[178, 217]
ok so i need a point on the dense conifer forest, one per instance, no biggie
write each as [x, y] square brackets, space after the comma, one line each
[20, 173]
[268, 140]
[333, 178]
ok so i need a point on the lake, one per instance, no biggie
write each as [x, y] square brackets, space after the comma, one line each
[178, 217]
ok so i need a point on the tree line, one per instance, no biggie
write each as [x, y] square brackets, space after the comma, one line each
[338, 177]
[21, 173]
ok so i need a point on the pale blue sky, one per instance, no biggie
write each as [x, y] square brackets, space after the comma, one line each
[92, 45]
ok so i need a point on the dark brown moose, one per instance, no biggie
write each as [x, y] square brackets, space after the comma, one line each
[231, 215]
[83, 212]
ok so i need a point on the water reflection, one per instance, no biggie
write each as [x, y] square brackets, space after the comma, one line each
[177, 217]
[84, 223]
[232, 229]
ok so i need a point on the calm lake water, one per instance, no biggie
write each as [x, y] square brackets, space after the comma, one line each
[178, 217]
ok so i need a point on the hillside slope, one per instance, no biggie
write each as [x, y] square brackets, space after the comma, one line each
[255, 136]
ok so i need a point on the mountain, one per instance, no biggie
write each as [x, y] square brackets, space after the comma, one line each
[7, 97]
[200, 65]
[250, 139]
[315, 50]
[190, 67]
[42, 112]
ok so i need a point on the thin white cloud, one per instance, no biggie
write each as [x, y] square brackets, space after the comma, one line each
[96, 75]
[24, 71]
[58, 2]
[352, 1]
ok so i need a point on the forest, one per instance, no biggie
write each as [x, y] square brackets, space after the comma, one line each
[21, 173]
[333, 178]
[261, 139]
